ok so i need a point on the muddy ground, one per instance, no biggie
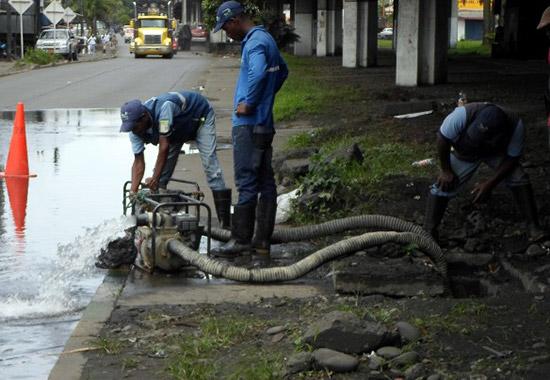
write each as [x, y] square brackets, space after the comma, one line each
[491, 328]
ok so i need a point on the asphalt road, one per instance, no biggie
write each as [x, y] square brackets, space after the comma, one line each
[102, 84]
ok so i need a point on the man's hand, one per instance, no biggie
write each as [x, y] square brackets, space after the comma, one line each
[243, 109]
[152, 183]
[482, 191]
[446, 180]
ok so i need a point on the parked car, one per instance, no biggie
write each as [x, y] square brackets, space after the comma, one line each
[58, 41]
[386, 34]
[199, 33]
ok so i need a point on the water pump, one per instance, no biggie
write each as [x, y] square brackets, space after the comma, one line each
[164, 216]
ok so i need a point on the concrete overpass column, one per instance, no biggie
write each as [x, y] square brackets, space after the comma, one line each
[408, 43]
[322, 28]
[422, 42]
[303, 24]
[453, 27]
[338, 29]
[368, 33]
[331, 27]
[350, 52]
[434, 41]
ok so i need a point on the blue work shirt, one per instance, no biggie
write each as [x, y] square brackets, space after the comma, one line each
[176, 115]
[263, 72]
[456, 122]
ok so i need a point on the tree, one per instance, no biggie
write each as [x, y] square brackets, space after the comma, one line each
[262, 13]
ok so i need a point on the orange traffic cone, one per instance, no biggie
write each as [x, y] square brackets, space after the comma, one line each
[18, 162]
[18, 189]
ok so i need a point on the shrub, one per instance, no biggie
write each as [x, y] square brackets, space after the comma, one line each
[39, 57]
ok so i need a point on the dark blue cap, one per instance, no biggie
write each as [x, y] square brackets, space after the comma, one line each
[226, 12]
[487, 123]
[130, 112]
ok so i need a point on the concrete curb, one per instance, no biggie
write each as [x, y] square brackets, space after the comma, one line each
[69, 366]
[38, 67]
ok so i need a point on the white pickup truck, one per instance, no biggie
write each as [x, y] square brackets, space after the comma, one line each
[59, 41]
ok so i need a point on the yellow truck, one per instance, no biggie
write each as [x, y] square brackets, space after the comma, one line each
[153, 32]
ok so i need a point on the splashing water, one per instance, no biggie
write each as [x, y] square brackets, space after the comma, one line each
[59, 290]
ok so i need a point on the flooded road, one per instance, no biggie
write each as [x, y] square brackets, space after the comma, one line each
[48, 248]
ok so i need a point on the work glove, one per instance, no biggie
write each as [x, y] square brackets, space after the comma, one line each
[138, 196]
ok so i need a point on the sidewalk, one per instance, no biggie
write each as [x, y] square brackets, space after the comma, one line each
[143, 290]
[9, 68]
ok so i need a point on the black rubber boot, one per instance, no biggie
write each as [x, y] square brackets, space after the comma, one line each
[242, 230]
[222, 202]
[435, 209]
[265, 223]
[526, 203]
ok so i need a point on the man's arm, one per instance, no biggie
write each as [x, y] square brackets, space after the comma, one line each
[164, 147]
[446, 176]
[483, 190]
[257, 71]
[138, 169]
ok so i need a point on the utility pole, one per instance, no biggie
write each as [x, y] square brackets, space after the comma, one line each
[184, 12]
[9, 37]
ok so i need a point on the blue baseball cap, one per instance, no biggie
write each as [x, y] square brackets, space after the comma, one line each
[226, 12]
[130, 112]
[487, 123]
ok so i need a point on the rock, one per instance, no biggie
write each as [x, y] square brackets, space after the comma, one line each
[346, 154]
[345, 332]
[435, 376]
[546, 244]
[376, 375]
[376, 273]
[335, 361]
[375, 362]
[539, 359]
[477, 221]
[275, 330]
[295, 167]
[405, 359]
[277, 337]
[408, 332]
[299, 362]
[535, 250]
[414, 372]
[471, 245]
[388, 352]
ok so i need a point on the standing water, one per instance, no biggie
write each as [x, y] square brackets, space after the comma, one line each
[47, 272]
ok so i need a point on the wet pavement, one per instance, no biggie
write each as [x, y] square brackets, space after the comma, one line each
[48, 243]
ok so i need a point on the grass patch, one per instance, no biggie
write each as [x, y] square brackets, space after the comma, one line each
[196, 354]
[334, 187]
[109, 346]
[39, 57]
[471, 47]
[305, 93]
[463, 318]
[258, 365]
[385, 44]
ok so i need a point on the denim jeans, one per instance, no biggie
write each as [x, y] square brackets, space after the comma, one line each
[252, 153]
[206, 143]
[464, 170]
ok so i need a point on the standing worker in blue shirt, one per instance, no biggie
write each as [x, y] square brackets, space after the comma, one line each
[169, 120]
[262, 73]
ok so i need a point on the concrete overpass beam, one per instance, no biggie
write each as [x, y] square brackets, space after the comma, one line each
[303, 23]
[368, 33]
[422, 42]
[350, 53]
[322, 28]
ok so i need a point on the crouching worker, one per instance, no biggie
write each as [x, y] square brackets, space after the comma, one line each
[169, 120]
[481, 132]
